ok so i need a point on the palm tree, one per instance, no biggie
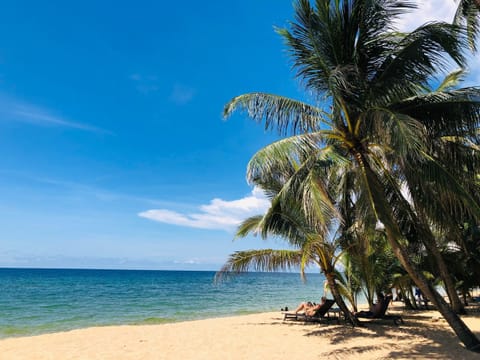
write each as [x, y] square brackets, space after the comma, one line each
[349, 282]
[368, 254]
[310, 239]
[463, 257]
[381, 125]
[371, 263]
[456, 152]
[404, 284]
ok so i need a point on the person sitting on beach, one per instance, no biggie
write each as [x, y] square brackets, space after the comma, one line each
[310, 308]
[374, 310]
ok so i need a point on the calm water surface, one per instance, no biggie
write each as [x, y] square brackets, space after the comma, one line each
[35, 301]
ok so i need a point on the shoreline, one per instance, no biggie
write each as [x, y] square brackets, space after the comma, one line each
[255, 336]
[145, 322]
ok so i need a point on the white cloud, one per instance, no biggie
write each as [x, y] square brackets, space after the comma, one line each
[432, 10]
[439, 10]
[218, 214]
[189, 262]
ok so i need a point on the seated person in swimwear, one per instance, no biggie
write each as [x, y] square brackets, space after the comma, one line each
[374, 310]
[309, 308]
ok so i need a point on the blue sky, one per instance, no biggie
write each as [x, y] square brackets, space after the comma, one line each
[114, 152]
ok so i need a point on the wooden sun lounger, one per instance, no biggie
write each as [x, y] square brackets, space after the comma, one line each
[381, 315]
[320, 314]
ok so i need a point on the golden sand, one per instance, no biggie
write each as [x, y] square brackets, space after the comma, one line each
[425, 335]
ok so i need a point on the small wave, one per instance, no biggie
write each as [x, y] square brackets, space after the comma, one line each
[19, 331]
[153, 321]
[244, 312]
[13, 331]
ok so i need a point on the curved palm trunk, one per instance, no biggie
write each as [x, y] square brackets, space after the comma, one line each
[461, 330]
[428, 240]
[409, 295]
[455, 301]
[367, 275]
[395, 239]
[330, 275]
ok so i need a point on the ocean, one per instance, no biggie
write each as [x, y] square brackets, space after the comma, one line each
[37, 301]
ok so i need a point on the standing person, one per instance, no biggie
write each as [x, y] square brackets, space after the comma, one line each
[418, 296]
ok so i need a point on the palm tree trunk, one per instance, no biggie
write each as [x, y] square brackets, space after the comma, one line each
[395, 238]
[332, 283]
[455, 301]
[408, 303]
[466, 336]
[428, 240]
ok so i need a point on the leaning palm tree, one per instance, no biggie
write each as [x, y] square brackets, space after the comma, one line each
[311, 242]
[456, 153]
[315, 252]
[380, 124]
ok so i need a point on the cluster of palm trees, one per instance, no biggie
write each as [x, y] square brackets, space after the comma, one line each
[376, 180]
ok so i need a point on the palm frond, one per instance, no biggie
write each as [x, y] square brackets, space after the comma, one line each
[285, 220]
[399, 132]
[259, 260]
[451, 80]
[318, 205]
[314, 37]
[454, 112]
[277, 161]
[416, 59]
[285, 115]
[468, 14]
[249, 226]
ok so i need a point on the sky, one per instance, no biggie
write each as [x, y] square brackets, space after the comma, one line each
[114, 150]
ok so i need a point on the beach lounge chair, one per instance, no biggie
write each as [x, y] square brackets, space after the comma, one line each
[381, 313]
[319, 315]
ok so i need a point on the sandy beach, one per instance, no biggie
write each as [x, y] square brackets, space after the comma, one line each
[260, 336]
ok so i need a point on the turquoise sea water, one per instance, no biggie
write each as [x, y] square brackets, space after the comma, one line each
[36, 301]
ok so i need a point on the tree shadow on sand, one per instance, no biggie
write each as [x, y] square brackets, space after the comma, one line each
[432, 341]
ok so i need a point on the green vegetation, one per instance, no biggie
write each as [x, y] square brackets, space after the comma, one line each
[381, 168]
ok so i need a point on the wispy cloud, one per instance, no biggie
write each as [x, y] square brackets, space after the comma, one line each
[218, 214]
[145, 84]
[16, 110]
[182, 94]
[68, 189]
[39, 117]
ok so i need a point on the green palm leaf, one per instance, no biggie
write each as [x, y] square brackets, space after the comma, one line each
[259, 260]
[280, 113]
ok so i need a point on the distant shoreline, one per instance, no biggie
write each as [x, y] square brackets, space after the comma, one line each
[120, 269]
